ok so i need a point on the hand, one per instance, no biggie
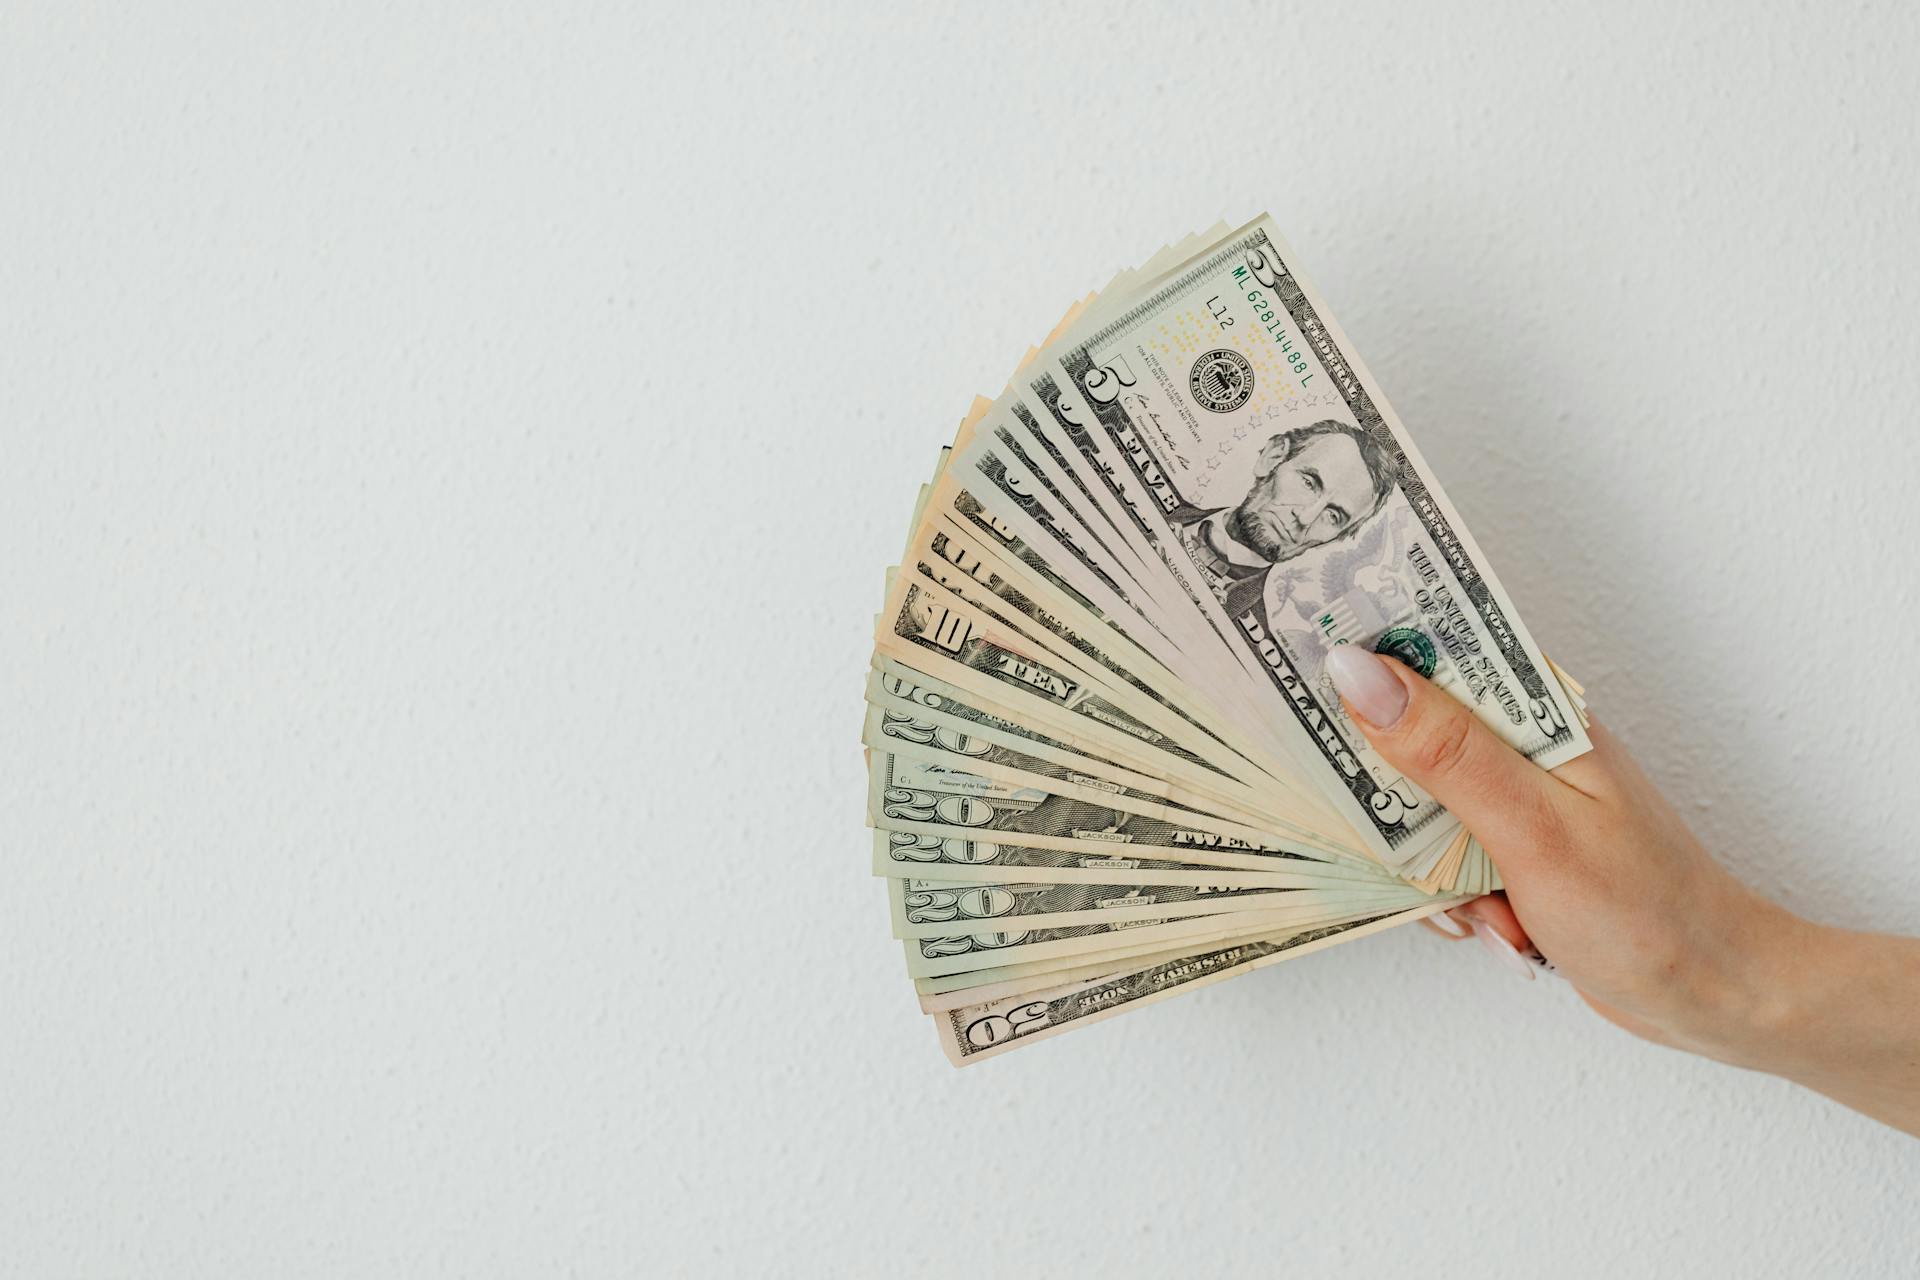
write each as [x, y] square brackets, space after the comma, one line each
[1603, 876]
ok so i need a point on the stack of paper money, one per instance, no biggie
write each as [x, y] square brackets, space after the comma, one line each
[1106, 764]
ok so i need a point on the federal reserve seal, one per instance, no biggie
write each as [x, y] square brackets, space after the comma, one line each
[1221, 380]
[1411, 646]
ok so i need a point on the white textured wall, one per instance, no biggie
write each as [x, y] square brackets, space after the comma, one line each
[448, 462]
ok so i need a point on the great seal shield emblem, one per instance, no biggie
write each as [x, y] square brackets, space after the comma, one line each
[1221, 380]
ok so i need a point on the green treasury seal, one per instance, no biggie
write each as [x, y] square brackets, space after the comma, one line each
[1411, 646]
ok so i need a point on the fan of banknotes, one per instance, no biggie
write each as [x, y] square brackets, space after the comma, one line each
[1106, 765]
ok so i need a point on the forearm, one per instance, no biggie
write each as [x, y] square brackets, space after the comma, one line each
[1838, 1012]
[1603, 875]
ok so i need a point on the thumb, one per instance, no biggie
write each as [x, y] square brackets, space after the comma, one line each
[1432, 738]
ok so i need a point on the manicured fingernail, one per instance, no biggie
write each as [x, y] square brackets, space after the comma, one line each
[1447, 924]
[1540, 963]
[1502, 949]
[1375, 693]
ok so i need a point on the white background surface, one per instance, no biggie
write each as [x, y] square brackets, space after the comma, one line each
[449, 458]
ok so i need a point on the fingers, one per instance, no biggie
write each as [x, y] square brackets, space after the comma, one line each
[1501, 796]
[1493, 911]
[1492, 920]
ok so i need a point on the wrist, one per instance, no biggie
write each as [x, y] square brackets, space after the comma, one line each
[1831, 1009]
[1758, 989]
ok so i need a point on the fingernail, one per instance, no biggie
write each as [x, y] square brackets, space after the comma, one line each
[1502, 949]
[1375, 693]
[1447, 924]
[1540, 963]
